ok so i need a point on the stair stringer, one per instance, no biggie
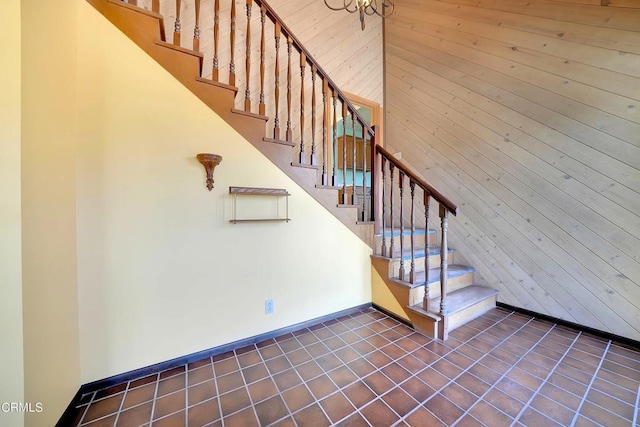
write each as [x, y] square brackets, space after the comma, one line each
[146, 29]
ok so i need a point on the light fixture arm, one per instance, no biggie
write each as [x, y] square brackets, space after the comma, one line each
[382, 8]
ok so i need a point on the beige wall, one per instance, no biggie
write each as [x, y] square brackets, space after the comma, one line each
[11, 362]
[526, 115]
[161, 271]
[49, 81]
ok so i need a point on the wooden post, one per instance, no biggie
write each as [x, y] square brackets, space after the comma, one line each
[276, 120]
[247, 92]
[289, 48]
[232, 41]
[444, 217]
[344, 151]
[303, 65]
[216, 36]
[155, 6]
[353, 164]
[382, 218]
[178, 25]
[391, 246]
[335, 139]
[364, 174]
[412, 272]
[427, 288]
[314, 159]
[196, 28]
[263, 18]
[325, 131]
[401, 184]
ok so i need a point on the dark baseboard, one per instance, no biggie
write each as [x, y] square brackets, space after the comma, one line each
[392, 315]
[624, 341]
[69, 413]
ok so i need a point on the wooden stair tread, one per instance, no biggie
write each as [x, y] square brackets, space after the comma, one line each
[304, 165]
[418, 253]
[180, 49]
[250, 114]
[218, 84]
[279, 141]
[462, 298]
[454, 270]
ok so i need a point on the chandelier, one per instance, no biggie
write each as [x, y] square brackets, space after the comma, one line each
[382, 8]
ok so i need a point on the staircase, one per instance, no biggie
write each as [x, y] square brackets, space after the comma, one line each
[307, 127]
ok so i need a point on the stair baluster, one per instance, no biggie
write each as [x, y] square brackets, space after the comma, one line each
[383, 169]
[325, 127]
[196, 28]
[444, 217]
[314, 70]
[353, 152]
[276, 120]
[401, 185]
[412, 272]
[289, 48]
[334, 151]
[392, 246]
[178, 25]
[344, 153]
[303, 64]
[232, 42]
[216, 36]
[263, 18]
[427, 294]
[155, 6]
[364, 173]
[247, 92]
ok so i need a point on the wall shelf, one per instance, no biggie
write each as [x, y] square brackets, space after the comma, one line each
[265, 192]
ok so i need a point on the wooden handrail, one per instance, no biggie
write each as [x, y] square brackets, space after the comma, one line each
[448, 204]
[300, 48]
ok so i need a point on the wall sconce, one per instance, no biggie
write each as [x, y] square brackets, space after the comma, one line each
[209, 161]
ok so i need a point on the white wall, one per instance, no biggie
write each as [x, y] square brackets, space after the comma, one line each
[11, 363]
[161, 271]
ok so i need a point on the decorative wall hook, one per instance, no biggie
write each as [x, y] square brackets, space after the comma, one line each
[209, 161]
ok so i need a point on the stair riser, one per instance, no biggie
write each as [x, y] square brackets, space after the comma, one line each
[471, 312]
[453, 284]
[434, 261]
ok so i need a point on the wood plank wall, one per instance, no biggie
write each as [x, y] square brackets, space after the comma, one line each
[527, 114]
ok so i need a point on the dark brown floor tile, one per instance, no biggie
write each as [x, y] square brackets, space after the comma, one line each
[584, 356]
[614, 390]
[443, 409]
[324, 333]
[199, 375]
[135, 416]
[459, 359]
[139, 395]
[169, 404]
[226, 366]
[255, 373]
[287, 379]
[364, 332]
[248, 359]
[425, 356]
[491, 416]
[170, 385]
[347, 354]
[102, 422]
[531, 417]
[334, 343]
[561, 396]
[175, 420]
[290, 345]
[418, 389]
[354, 420]
[504, 355]
[379, 383]
[244, 418]
[472, 383]
[318, 349]
[286, 422]
[278, 364]
[524, 378]
[311, 416]
[393, 351]
[203, 413]
[270, 352]
[573, 373]
[201, 392]
[297, 397]
[567, 384]
[266, 343]
[395, 372]
[586, 422]
[377, 359]
[459, 396]
[271, 410]
[321, 386]
[298, 357]
[469, 421]
[401, 402]
[514, 389]
[433, 378]
[284, 337]
[350, 337]
[438, 347]
[234, 401]
[623, 351]
[553, 410]
[411, 364]
[506, 404]
[633, 364]
[391, 334]
[329, 362]
[363, 347]
[359, 394]
[307, 339]
[447, 368]
[379, 414]
[309, 370]
[361, 367]
[621, 370]
[101, 408]
[337, 407]
[143, 381]
[620, 380]
[229, 382]
[245, 349]
[378, 327]
[342, 376]
[101, 394]
[378, 341]
[602, 415]
[407, 344]
[612, 404]
[495, 364]
[172, 372]
[262, 390]
[423, 417]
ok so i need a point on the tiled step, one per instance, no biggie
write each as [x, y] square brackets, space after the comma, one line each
[462, 306]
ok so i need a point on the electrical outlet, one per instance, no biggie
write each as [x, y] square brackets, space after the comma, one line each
[268, 306]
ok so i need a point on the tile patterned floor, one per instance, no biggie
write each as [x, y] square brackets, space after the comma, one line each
[367, 369]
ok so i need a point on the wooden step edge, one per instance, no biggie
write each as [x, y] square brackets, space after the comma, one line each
[250, 114]
[396, 232]
[328, 187]
[180, 49]
[417, 308]
[304, 165]
[135, 8]
[217, 84]
[463, 298]
[279, 141]
[450, 275]
[435, 251]
[365, 222]
[346, 205]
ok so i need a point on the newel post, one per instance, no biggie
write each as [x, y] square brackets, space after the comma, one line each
[376, 195]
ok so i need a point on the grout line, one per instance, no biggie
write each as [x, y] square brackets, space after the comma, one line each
[215, 381]
[124, 396]
[637, 409]
[544, 382]
[595, 374]
[87, 408]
